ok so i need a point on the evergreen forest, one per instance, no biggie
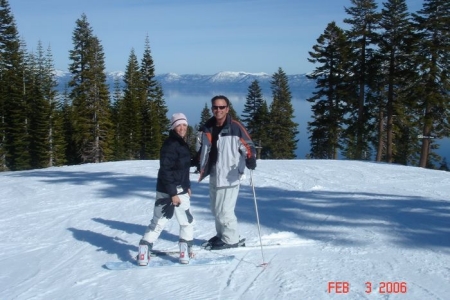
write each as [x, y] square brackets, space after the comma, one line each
[382, 94]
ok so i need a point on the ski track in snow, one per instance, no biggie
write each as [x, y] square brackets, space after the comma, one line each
[235, 284]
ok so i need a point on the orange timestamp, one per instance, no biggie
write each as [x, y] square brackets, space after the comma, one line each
[381, 287]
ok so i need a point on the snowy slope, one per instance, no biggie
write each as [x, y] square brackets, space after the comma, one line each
[344, 226]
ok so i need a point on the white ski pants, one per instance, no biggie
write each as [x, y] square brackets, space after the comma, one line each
[182, 213]
[223, 203]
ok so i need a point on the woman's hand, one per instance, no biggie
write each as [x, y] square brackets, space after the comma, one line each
[176, 200]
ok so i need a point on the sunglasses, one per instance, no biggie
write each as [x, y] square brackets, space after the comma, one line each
[219, 107]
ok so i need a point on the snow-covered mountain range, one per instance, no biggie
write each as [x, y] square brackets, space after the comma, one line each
[226, 82]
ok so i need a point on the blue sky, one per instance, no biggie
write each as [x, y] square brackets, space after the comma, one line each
[187, 36]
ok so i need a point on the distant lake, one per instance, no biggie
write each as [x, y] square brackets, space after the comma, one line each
[192, 105]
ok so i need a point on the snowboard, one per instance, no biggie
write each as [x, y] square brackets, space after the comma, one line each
[167, 260]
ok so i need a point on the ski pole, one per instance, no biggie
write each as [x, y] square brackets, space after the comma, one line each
[257, 218]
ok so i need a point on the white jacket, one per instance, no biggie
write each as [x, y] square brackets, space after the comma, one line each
[234, 146]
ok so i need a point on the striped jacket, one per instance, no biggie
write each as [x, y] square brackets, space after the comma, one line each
[234, 146]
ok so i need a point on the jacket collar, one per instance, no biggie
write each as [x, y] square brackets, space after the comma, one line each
[176, 136]
[212, 122]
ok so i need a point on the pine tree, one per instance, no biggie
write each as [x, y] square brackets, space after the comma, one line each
[191, 139]
[260, 136]
[362, 34]
[394, 48]
[116, 109]
[14, 140]
[67, 116]
[90, 96]
[154, 109]
[255, 115]
[433, 62]
[55, 133]
[159, 123]
[58, 143]
[332, 52]
[6, 22]
[232, 112]
[204, 116]
[282, 130]
[46, 139]
[444, 165]
[39, 109]
[130, 116]
[254, 101]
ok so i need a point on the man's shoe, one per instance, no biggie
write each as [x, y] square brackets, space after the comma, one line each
[208, 244]
[213, 240]
[220, 245]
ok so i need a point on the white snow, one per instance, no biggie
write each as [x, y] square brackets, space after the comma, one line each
[341, 224]
[116, 74]
[233, 76]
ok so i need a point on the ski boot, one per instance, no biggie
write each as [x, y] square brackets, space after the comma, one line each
[144, 252]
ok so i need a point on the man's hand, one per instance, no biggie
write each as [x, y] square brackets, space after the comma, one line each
[250, 163]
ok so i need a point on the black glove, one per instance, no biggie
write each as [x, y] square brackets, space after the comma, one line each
[167, 207]
[250, 163]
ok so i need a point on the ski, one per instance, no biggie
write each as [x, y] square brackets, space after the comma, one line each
[242, 246]
[207, 245]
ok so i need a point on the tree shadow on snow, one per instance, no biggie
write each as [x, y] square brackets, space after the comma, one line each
[409, 221]
[131, 228]
[111, 185]
[113, 245]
